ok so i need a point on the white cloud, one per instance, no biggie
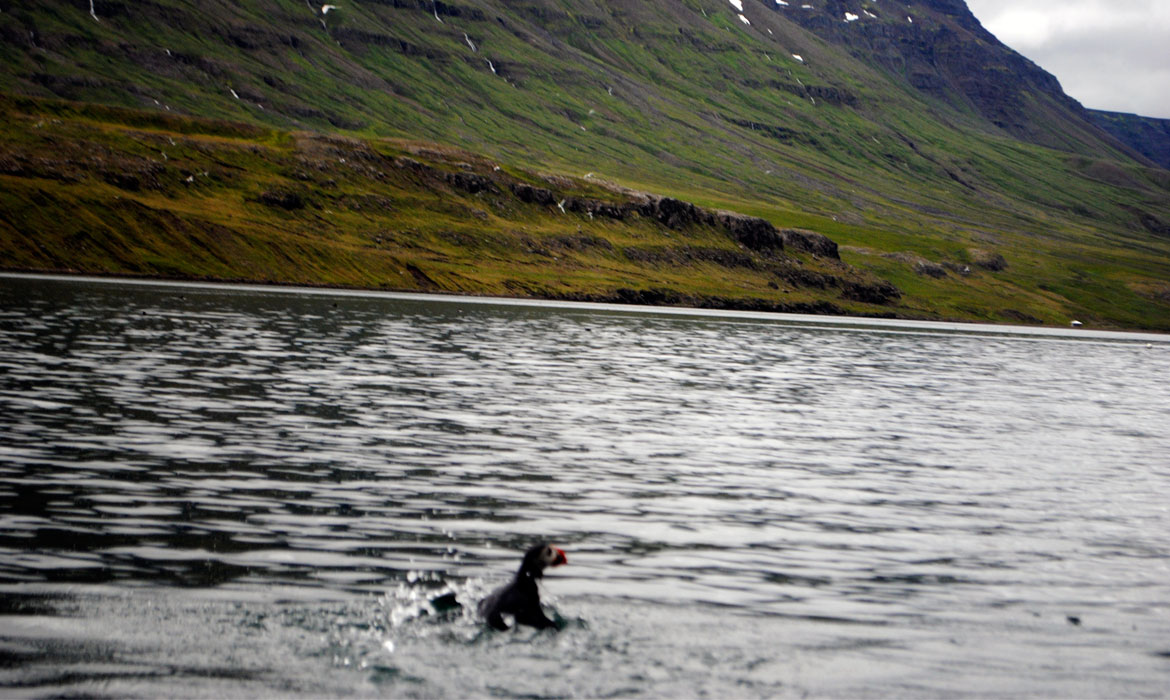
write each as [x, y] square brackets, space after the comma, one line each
[1109, 54]
[1020, 27]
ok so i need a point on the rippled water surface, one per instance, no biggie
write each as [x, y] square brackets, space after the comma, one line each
[211, 491]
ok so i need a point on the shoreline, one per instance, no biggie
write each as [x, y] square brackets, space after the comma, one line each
[841, 321]
[321, 211]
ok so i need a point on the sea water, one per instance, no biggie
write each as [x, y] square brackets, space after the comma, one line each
[246, 491]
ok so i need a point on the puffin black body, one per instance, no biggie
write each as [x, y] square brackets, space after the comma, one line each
[521, 597]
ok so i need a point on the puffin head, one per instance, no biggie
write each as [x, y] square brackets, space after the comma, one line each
[541, 556]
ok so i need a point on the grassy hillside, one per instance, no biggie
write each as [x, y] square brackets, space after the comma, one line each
[1147, 135]
[178, 197]
[682, 99]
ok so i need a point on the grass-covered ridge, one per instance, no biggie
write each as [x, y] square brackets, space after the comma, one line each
[194, 198]
[126, 193]
[680, 99]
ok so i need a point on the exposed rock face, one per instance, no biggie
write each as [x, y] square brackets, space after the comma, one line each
[595, 207]
[810, 242]
[1146, 135]
[880, 292]
[762, 246]
[674, 213]
[930, 269]
[533, 195]
[943, 51]
[471, 182]
[754, 233]
[988, 260]
[282, 199]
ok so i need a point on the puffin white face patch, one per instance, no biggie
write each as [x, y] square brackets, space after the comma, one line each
[548, 556]
[552, 556]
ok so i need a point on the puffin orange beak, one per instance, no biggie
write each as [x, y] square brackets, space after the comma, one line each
[560, 558]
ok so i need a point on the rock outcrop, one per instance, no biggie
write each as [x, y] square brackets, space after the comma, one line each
[810, 242]
[942, 50]
[1146, 135]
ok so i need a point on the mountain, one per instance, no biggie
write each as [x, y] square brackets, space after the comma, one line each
[1147, 135]
[952, 176]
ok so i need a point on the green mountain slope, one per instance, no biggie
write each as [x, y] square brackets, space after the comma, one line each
[937, 159]
[1147, 135]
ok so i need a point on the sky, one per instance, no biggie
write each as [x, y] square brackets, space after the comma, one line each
[1108, 54]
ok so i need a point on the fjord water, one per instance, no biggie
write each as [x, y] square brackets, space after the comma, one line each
[230, 491]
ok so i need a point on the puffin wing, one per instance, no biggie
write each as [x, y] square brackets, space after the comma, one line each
[491, 607]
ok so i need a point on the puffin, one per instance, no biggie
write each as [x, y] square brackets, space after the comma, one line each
[521, 597]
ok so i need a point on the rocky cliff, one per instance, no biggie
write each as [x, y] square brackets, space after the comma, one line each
[1146, 135]
[942, 50]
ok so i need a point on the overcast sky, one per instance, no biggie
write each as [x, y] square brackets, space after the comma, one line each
[1108, 54]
